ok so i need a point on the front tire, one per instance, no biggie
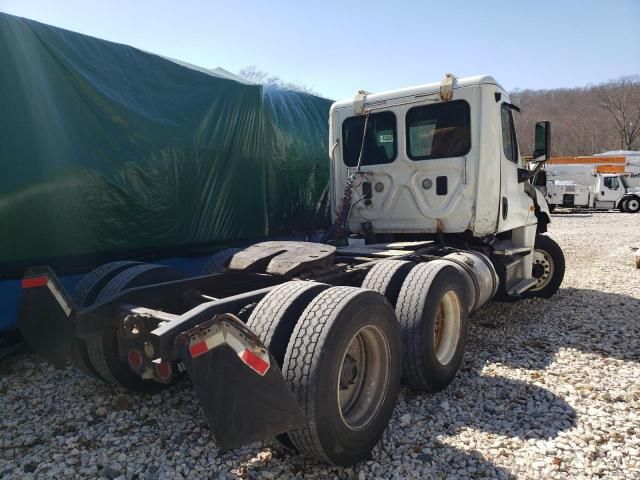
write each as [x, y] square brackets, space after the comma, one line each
[632, 205]
[548, 267]
[343, 365]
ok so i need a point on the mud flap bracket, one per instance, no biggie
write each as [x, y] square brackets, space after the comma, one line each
[240, 387]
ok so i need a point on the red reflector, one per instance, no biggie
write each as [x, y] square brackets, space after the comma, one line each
[135, 359]
[198, 349]
[255, 362]
[34, 282]
[164, 370]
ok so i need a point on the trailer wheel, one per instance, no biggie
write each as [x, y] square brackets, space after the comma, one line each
[84, 294]
[386, 277]
[218, 261]
[548, 267]
[632, 205]
[432, 311]
[103, 348]
[343, 365]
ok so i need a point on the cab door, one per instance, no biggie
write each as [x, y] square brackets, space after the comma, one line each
[514, 202]
[610, 188]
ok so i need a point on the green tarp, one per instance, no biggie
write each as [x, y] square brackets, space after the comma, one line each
[107, 148]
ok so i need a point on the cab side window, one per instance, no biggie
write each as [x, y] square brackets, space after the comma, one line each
[611, 183]
[509, 143]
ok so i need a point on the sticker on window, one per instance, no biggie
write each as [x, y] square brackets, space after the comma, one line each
[386, 138]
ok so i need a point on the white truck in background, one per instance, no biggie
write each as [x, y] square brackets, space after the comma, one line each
[606, 181]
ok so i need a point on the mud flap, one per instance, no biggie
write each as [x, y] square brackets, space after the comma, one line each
[44, 316]
[243, 394]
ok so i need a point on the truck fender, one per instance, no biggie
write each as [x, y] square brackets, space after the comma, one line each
[542, 211]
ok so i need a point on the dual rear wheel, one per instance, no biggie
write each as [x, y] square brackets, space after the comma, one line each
[99, 355]
[339, 351]
[431, 306]
[344, 350]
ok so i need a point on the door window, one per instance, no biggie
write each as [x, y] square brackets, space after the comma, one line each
[611, 183]
[509, 143]
[380, 142]
[439, 131]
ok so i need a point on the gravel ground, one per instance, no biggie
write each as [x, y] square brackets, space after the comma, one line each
[548, 389]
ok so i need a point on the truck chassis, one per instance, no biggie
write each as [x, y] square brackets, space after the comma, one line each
[234, 331]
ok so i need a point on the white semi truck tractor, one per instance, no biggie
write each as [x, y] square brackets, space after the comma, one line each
[435, 215]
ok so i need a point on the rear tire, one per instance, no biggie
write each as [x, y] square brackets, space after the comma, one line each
[103, 348]
[548, 267]
[346, 343]
[218, 262]
[432, 311]
[275, 317]
[387, 277]
[84, 295]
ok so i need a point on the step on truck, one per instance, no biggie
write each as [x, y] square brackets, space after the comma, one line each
[308, 343]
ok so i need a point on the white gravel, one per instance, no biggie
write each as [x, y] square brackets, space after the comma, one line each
[548, 389]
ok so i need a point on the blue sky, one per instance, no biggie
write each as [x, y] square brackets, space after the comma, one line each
[339, 47]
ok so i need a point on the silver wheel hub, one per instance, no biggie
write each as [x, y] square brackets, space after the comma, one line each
[543, 267]
[363, 377]
[633, 204]
[448, 324]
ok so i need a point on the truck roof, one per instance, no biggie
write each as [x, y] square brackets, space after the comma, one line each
[423, 89]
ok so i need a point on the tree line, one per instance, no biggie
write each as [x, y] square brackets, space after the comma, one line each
[584, 120]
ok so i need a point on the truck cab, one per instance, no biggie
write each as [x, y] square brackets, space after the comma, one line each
[433, 166]
[437, 159]
[608, 190]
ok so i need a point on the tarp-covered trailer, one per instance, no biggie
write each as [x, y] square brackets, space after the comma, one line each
[110, 152]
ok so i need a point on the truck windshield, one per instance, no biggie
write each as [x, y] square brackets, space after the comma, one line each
[380, 144]
[624, 182]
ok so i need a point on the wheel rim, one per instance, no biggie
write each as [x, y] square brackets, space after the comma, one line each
[543, 268]
[364, 377]
[447, 327]
[633, 205]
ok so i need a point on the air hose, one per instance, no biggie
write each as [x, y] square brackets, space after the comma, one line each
[343, 209]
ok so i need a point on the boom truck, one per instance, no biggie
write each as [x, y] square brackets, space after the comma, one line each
[602, 182]
[306, 342]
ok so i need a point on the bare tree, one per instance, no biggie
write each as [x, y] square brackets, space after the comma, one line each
[256, 75]
[578, 123]
[622, 100]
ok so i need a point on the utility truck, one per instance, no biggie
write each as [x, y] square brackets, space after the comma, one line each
[601, 182]
[308, 342]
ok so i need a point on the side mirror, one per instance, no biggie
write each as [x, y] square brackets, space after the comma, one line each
[524, 174]
[542, 141]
